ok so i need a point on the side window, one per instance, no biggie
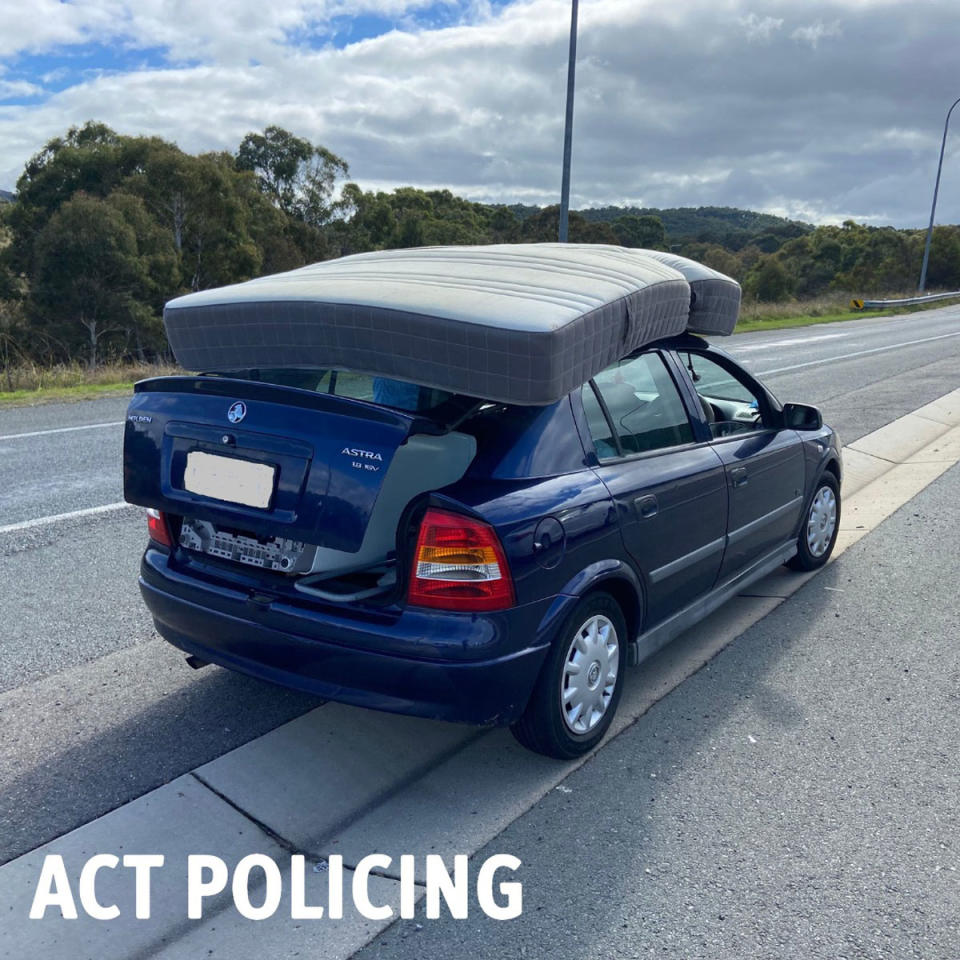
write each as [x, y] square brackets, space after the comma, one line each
[729, 406]
[644, 408]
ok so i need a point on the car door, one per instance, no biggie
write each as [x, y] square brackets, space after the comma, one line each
[763, 461]
[670, 491]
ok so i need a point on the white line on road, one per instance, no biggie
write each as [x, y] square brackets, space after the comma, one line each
[56, 518]
[858, 353]
[41, 433]
[787, 343]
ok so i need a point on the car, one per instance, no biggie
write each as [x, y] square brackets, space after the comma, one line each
[470, 484]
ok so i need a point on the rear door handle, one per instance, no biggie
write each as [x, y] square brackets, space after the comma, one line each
[646, 506]
[738, 476]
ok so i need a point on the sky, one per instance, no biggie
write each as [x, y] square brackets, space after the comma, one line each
[820, 110]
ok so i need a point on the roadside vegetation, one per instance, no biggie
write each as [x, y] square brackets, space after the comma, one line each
[105, 227]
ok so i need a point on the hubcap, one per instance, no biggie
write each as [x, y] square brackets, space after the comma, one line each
[821, 521]
[589, 674]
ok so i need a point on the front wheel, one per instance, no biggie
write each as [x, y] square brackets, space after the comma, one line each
[580, 684]
[819, 531]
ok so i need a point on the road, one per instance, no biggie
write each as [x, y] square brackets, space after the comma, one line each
[796, 798]
[95, 710]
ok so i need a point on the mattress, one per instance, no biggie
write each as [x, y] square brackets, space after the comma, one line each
[514, 323]
[714, 297]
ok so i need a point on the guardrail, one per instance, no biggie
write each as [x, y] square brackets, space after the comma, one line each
[906, 302]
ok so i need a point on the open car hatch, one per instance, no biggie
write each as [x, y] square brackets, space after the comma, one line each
[297, 465]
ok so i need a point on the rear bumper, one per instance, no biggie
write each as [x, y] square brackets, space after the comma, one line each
[311, 653]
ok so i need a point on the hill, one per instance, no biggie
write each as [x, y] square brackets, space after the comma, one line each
[729, 227]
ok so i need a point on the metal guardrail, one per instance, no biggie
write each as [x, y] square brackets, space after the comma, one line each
[906, 302]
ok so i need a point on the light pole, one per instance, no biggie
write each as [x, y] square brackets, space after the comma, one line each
[568, 126]
[933, 207]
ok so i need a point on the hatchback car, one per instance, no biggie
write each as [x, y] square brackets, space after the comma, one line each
[392, 542]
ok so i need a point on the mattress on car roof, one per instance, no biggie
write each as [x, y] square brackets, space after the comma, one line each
[515, 323]
[715, 297]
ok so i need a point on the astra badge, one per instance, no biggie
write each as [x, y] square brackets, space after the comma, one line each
[237, 412]
[361, 454]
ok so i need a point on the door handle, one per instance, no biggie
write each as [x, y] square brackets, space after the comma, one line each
[646, 506]
[738, 476]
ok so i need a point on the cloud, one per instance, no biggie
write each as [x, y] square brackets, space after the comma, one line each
[735, 103]
[760, 28]
[189, 29]
[19, 89]
[815, 32]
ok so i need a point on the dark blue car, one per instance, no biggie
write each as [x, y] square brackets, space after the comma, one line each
[399, 545]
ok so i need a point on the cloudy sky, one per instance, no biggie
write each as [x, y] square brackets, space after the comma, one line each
[815, 109]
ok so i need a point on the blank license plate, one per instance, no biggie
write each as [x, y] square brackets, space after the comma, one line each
[225, 478]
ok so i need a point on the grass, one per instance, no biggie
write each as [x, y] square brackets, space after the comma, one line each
[29, 383]
[832, 309]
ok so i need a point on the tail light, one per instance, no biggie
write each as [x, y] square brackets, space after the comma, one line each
[158, 529]
[459, 564]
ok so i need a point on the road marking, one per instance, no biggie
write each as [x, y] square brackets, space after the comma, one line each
[43, 433]
[858, 353]
[56, 518]
[786, 343]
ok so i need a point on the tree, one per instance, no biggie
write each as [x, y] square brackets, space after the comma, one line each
[771, 283]
[543, 227]
[92, 159]
[95, 272]
[209, 209]
[646, 231]
[298, 176]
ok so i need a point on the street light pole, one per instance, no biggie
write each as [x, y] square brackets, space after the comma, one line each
[933, 207]
[568, 126]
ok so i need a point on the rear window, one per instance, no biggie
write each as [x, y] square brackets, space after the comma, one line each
[410, 397]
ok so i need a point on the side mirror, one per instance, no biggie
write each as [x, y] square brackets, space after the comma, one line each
[801, 416]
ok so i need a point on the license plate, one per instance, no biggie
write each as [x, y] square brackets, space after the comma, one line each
[229, 479]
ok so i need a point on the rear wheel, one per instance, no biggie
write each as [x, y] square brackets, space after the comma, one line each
[819, 531]
[580, 685]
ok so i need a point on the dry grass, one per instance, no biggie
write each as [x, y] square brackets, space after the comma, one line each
[828, 305]
[27, 383]
[825, 309]
[31, 376]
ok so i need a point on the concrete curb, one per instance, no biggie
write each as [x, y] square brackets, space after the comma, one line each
[346, 781]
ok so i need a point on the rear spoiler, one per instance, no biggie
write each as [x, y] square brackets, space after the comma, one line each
[444, 418]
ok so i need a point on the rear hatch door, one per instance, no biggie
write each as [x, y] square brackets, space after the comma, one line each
[275, 461]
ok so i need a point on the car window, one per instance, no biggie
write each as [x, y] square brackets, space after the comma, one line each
[600, 429]
[398, 394]
[729, 405]
[644, 407]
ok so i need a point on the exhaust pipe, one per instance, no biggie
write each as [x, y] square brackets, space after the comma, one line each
[196, 663]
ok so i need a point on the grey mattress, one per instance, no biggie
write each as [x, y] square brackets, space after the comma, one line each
[516, 323]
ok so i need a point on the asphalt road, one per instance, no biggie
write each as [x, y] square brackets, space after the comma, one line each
[796, 798]
[95, 709]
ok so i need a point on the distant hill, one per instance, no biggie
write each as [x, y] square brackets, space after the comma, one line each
[729, 227]
[6, 196]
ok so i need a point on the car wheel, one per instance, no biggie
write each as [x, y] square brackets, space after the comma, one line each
[579, 687]
[819, 531]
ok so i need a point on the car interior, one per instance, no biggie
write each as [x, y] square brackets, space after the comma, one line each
[729, 406]
[643, 404]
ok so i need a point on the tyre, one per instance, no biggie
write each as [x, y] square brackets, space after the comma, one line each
[819, 531]
[579, 687]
